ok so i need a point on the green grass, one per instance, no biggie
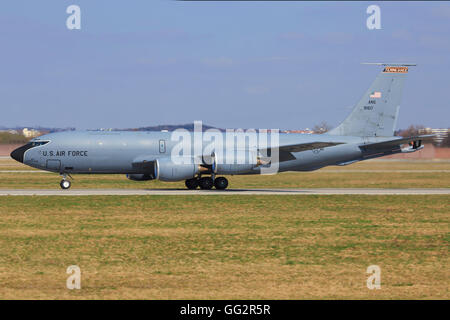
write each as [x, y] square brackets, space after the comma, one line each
[226, 247]
[369, 174]
[10, 138]
[319, 179]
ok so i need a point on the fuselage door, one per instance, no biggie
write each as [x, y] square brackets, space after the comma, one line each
[54, 165]
[162, 146]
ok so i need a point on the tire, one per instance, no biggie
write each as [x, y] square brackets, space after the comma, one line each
[206, 183]
[221, 183]
[191, 184]
[65, 184]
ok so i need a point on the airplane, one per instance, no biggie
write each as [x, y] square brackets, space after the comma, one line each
[367, 133]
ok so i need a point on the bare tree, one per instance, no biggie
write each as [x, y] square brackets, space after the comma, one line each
[446, 142]
[412, 130]
[322, 127]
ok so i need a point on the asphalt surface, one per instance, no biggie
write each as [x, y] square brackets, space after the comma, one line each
[126, 192]
[319, 171]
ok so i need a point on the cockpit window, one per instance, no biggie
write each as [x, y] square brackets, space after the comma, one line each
[38, 143]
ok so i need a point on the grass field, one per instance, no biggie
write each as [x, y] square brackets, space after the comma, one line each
[229, 247]
[369, 174]
[226, 247]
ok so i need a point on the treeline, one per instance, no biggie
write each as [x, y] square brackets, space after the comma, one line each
[11, 138]
[415, 130]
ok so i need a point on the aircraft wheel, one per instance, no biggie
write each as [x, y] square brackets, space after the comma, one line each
[191, 184]
[206, 183]
[65, 184]
[221, 183]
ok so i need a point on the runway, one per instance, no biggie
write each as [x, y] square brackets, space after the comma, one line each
[172, 192]
[318, 171]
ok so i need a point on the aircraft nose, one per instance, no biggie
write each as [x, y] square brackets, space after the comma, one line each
[18, 153]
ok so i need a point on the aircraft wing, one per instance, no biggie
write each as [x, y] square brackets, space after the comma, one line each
[285, 152]
[308, 146]
[415, 140]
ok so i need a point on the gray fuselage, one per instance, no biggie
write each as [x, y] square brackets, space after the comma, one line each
[115, 151]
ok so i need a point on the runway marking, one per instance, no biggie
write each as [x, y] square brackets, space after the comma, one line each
[128, 192]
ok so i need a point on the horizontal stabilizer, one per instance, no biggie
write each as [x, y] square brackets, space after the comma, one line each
[415, 140]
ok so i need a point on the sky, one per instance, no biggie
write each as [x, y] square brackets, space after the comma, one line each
[271, 64]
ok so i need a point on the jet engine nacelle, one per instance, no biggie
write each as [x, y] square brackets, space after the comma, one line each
[167, 170]
[140, 177]
[240, 161]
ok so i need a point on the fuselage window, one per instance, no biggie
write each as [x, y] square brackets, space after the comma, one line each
[38, 143]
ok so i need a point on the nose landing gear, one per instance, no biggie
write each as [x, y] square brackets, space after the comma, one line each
[65, 183]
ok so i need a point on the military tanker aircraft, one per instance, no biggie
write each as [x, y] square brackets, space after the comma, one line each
[367, 133]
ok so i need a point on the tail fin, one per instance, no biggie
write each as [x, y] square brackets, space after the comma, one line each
[377, 112]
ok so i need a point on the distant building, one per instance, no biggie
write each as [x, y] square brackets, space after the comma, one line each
[30, 133]
[441, 134]
[305, 131]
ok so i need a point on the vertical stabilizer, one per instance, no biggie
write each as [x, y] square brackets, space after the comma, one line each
[377, 112]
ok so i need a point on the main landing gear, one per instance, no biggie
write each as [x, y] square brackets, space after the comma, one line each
[65, 183]
[207, 183]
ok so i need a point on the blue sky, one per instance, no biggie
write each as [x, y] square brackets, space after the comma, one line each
[274, 64]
